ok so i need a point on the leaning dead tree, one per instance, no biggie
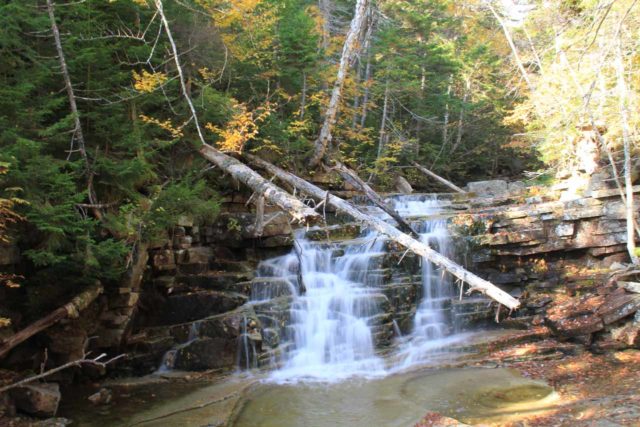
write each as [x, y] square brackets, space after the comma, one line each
[78, 134]
[70, 310]
[438, 178]
[285, 201]
[351, 177]
[349, 50]
[477, 284]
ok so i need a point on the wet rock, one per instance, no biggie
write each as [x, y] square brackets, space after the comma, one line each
[335, 232]
[197, 305]
[40, 400]
[207, 353]
[102, 397]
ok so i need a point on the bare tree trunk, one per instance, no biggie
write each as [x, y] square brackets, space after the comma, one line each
[71, 310]
[356, 98]
[445, 126]
[514, 50]
[383, 123]
[476, 283]
[465, 98]
[427, 172]
[233, 167]
[303, 100]
[624, 116]
[78, 134]
[367, 87]
[348, 51]
[351, 177]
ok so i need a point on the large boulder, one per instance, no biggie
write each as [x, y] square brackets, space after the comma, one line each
[488, 188]
[197, 305]
[207, 353]
[40, 400]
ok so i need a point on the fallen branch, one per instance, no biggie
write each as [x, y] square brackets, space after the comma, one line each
[82, 361]
[475, 282]
[351, 177]
[449, 184]
[70, 310]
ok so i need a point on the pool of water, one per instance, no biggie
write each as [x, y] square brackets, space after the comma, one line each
[472, 395]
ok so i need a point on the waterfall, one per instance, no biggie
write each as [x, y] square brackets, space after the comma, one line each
[335, 289]
[330, 322]
[430, 325]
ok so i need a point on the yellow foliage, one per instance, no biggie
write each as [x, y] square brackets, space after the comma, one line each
[148, 82]
[175, 132]
[242, 127]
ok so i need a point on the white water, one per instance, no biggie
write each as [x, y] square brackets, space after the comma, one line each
[430, 327]
[330, 322]
[331, 330]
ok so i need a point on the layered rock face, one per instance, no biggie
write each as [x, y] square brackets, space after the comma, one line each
[194, 305]
[557, 253]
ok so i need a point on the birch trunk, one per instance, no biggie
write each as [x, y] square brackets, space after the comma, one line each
[476, 283]
[348, 51]
[294, 207]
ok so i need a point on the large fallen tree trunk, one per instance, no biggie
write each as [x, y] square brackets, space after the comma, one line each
[352, 178]
[476, 283]
[70, 310]
[427, 172]
[288, 203]
[285, 201]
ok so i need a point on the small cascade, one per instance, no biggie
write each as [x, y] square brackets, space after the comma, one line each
[331, 312]
[247, 352]
[431, 322]
[169, 359]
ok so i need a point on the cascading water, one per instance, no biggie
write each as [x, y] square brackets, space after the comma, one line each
[335, 289]
[430, 324]
[330, 322]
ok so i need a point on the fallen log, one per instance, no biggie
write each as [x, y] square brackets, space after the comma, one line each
[427, 172]
[263, 187]
[351, 177]
[70, 310]
[477, 284]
